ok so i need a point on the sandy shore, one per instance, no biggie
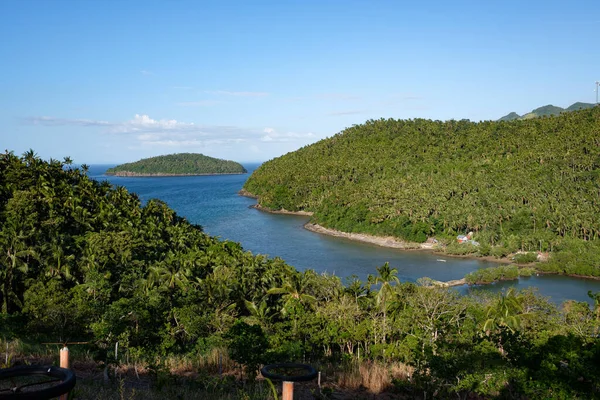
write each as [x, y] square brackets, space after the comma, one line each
[377, 240]
[456, 282]
[282, 211]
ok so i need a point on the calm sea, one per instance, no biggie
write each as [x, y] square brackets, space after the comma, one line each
[214, 203]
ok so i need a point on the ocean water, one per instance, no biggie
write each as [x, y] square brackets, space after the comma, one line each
[213, 202]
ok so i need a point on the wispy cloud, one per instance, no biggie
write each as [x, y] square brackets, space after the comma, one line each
[332, 97]
[348, 112]
[147, 73]
[271, 135]
[200, 103]
[172, 133]
[238, 94]
[53, 121]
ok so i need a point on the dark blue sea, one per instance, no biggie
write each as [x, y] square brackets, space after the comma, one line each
[214, 203]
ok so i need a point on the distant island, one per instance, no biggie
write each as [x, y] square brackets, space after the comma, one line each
[546, 111]
[181, 164]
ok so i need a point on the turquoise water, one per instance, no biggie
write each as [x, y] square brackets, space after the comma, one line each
[213, 202]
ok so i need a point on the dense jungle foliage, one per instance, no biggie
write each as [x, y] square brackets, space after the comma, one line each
[530, 184]
[81, 260]
[178, 164]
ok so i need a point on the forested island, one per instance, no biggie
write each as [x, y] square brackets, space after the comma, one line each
[520, 186]
[83, 261]
[181, 164]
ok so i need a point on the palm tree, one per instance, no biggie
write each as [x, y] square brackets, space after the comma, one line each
[356, 288]
[506, 312]
[14, 262]
[294, 291]
[59, 263]
[596, 298]
[261, 312]
[385, 277]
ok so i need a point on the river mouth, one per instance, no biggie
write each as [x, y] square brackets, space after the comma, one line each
[214, 203]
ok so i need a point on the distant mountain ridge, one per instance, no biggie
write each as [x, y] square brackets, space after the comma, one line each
[546, 111]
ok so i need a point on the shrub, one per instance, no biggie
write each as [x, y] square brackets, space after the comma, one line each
[247, 346]
[461, 249]
[499, 251]
[525, 258]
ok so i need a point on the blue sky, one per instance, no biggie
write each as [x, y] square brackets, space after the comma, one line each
[113, 81]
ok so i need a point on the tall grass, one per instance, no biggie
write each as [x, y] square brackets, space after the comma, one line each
[374, 376]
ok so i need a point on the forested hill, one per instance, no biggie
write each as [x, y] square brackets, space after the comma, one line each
[547, 111]
[525, 182]
[178, 164]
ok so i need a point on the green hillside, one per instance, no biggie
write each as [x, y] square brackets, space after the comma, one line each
[580, 106]
[546, 111]
[178, 164]
[510, 117]
[523, 184]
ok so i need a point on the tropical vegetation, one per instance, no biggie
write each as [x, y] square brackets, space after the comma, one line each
[525, 185]
[178, 164]
[82, 260]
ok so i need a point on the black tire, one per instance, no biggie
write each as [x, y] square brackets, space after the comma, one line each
[311, 373]
[65, 375]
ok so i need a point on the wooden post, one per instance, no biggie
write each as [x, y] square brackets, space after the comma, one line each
[220, 364]
[64, 363]
[64, 357]
[288, 391]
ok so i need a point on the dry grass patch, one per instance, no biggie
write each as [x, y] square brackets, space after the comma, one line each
[374, 376]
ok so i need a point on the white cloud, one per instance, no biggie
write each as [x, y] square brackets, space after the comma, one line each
[201, 103]
[146, 72]
[274, 136]
[143, 123]
[239, 94]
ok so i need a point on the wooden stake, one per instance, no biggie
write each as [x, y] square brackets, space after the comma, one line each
[288, 391]
[64, 363]
[220, 364]
[64, 357]
[319, 380]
